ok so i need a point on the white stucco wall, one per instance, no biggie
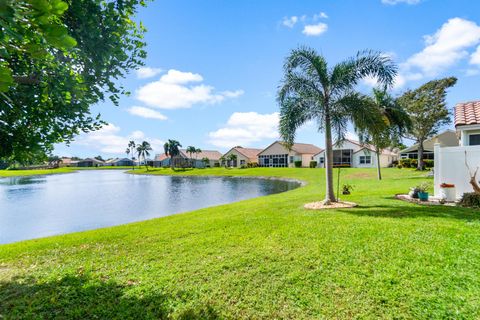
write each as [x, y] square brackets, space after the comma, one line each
[239, 157]
[450, 167]
[356, 159]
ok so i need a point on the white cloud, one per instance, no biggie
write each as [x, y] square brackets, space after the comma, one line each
[147, 72]
[394, 2]
[109, 140]
[179, 77]
[321, 15]
[315, 29]
[146, 113]
[175, 90]
[290, 22]
[245, 128]
[475, 57]
[446, 47]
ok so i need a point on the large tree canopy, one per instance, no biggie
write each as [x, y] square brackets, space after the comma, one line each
[427, 108]
[58, 58]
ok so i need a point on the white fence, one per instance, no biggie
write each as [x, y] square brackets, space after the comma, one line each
[450, 167]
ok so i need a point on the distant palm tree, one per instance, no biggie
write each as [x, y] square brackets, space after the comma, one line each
[132, 146]
[392, 124]
[205, 161]
[312, 91]
[171, 148]
[191, 150]
[223, 161]
[143, 152]
[232, 159]
[197, 151]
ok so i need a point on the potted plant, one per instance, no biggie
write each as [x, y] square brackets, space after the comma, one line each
[414, 192]
[447, 192]
[346, 189]
[422, 193]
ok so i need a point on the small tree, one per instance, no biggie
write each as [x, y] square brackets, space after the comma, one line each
[428, 111]
[191, 150]
[131, 147]
[143, 152]
[171, 148]
[223, 161]
[392, 122]
[232, 158]
[205, 161]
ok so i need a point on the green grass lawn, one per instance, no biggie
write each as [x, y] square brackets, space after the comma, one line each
[22, 173]
[260, 258]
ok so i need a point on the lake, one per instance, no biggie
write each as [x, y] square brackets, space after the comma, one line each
[39, 206]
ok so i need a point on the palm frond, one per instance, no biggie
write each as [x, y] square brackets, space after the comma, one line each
[294, 112]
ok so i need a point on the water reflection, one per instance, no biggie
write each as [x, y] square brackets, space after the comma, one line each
[32, 207]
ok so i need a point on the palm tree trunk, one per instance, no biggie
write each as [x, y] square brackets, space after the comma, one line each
[379, 172]
[420, 156]
[329, 194]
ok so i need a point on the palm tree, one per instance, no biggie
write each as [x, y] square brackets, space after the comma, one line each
[191, 150]
[310, 90]
[143, 152]
[205, 161]
[197, 151]
[132, 146]
[393, 122]
[171, 148]
[223, 161]
[232, 158]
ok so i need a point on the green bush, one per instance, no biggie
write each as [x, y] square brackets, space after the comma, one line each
[243, 166]
[414, 163]
[298, 164]
[399, 166]
[252, 165]
[470, 200]
[405, 163]
[428, 163]
[216, 164]
[313, 164]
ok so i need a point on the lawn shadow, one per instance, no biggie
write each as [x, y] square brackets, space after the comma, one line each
[83, 297]
[400, 209]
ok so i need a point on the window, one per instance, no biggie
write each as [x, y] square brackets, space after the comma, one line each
[291, 159]
[322, 160]
[474, 139]
[242, 162]
[365, 159]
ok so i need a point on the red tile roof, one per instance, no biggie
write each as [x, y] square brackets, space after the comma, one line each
[306, 148]
[467, 113]
[250, 153]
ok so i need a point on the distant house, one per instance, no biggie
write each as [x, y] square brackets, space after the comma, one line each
[278, 155]
[90, 162]
[244, 156]
[447, 138]
[183, 159]
[117, 162]
[351, 153]
[450, 161]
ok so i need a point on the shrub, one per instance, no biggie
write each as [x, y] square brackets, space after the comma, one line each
[470, 200]
[399, 166]
[298, 164]
[413, 163]
[313, 164]
[405, 163]
[252, 165]
[216, 164]
[243, 166]
[428, 163]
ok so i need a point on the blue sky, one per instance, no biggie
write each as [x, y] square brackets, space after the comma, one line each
[213, 67]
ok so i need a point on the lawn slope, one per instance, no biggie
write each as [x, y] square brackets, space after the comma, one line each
[260, 258]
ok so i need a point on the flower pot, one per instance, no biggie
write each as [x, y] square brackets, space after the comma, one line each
[448, 194]
[423, 196]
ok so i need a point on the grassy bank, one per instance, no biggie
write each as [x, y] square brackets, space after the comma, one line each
[260, 258]
[23, 173]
